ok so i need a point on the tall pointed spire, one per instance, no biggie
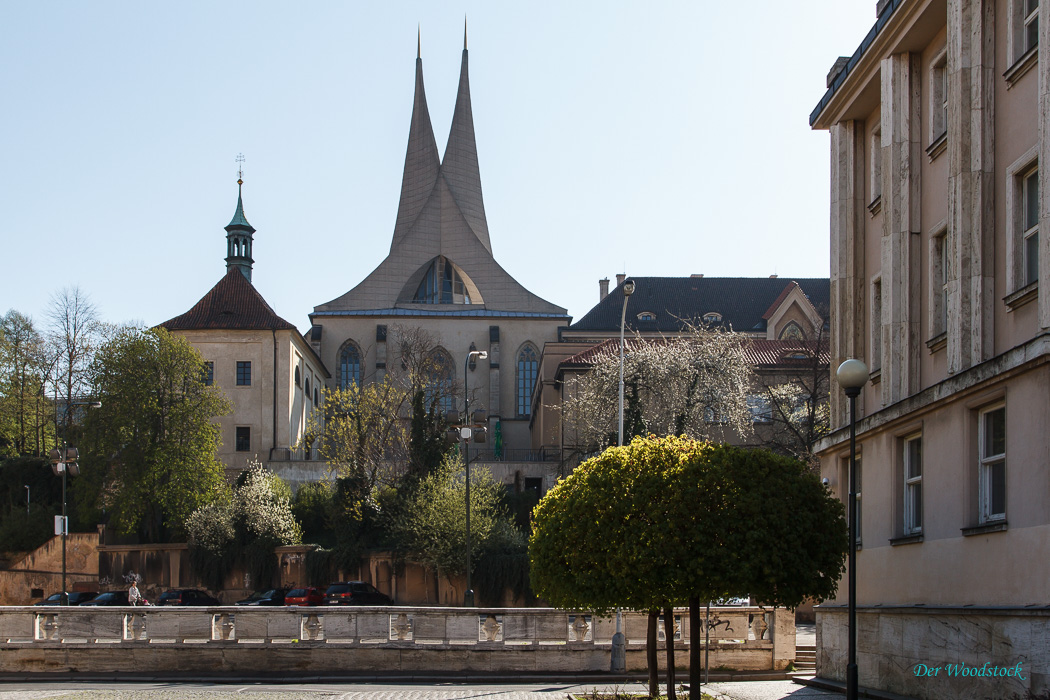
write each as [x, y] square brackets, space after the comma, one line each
[239, 234]
[421, 159]
[459, 166]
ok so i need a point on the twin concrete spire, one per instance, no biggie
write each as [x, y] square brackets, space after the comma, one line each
[457, 175]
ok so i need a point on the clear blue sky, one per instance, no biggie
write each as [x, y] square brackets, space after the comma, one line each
[656, 138]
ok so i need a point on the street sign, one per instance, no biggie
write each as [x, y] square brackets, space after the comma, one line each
[61, 525]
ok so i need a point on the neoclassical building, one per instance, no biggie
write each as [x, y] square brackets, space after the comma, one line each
[442, 278]
[940, 283]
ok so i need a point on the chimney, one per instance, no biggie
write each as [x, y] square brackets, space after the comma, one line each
[772, 277]
[697, 275]
[620, 278]
[603, 288]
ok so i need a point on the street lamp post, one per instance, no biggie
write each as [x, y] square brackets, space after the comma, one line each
[618, 663]
[465, 432]
[852, 375]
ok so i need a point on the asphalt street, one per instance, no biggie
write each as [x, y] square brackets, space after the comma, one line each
[753, 690]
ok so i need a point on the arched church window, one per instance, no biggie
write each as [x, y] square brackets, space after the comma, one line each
[527, 367]
[441, 377]
[307, 392]
[315, 397]
[792, 331]
[298, 381]
[442, 284]
[349, 365]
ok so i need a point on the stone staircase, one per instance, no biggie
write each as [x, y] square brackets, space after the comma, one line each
[805, 659]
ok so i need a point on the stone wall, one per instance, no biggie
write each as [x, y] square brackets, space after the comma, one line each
[360, 640]
[899, 650]
[41, 570]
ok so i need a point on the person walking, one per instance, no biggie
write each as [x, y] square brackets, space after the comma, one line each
[134, 597]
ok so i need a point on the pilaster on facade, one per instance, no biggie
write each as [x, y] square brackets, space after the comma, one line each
[1044, 181]
[847, 257]
[971, 184]
[901, 173]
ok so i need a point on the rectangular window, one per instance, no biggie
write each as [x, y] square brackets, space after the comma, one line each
[913, 485]
[939, 97]
[244, 374]
[758, 406]
[992, 487]
[209, 373]
[1030, 226]
[1031, 24]
[876, 324]
[244, 439]
[875, 155]
[939, 283]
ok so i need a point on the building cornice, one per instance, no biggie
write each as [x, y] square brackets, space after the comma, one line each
[1014, 361]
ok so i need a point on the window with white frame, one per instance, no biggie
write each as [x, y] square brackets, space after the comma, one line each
[992, 468]
[939, 283]
[1030, 21]
[876, 324]
[939, 97]
[875, 157]
[912, 485]
[1030, 226]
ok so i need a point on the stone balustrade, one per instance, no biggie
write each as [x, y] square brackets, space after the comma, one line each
[367, 640]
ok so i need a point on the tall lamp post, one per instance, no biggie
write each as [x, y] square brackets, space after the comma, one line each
[852, 375]
[64, 461]
[618, 663]
[465, 432]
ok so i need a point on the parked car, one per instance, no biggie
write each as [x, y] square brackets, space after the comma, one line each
[186, 596]
[75, 598]
[274, 596]
[110, 598]
[304, 596]
[355, 593]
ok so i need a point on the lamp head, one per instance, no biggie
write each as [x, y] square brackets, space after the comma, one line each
[481, 354]
[628, 288]
[852, 375]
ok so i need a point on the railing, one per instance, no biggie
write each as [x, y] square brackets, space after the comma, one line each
[515, 454]
[511, 639]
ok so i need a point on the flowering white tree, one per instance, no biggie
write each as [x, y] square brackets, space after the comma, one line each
[695, 385]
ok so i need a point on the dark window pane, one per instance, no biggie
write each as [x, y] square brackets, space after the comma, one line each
[997, 486]
[1031, 258]
[209, 373]
[995, 432]
[244, 374]
[914, 458]
[349, 367]
[244, 439]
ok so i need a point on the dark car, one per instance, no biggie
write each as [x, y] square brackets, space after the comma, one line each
[304, 596]
[355, 593]
[274, 596]
[75, 598]
[110, 598]
[186, 596]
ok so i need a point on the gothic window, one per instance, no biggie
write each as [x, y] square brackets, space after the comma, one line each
[349, 365]
[440, 383]
[528, 365]
[298, 378]
[442, 284]
[792, 331]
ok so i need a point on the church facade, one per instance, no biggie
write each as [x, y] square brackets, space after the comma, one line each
[441, 278]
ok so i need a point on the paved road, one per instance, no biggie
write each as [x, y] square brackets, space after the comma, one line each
[758, 690]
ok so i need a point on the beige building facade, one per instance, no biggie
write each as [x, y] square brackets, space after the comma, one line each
[940, 284]
[260, 361]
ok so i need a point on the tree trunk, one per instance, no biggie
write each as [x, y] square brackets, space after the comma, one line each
[652, 654]
[669, 645]
[695, 670]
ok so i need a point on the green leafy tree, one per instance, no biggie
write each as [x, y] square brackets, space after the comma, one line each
[149, 453]
[26, 414]
[670, 521]
[432, 527]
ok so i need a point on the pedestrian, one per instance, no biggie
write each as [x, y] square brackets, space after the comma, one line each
[134, 597]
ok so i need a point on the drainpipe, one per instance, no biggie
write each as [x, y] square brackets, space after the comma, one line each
[273, 445]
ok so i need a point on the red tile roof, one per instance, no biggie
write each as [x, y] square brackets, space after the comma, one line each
[232, 304]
